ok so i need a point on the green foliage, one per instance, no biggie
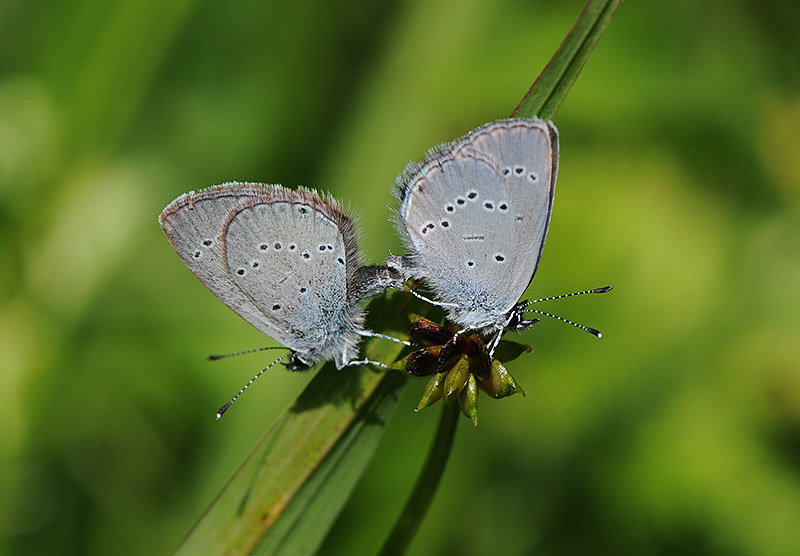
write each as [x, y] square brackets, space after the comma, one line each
[679, 184]
[303, 469]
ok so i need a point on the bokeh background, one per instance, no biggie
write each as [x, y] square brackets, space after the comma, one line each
[678, 433]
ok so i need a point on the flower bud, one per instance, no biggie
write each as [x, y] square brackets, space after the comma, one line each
[428, 333]
[500, 382]
[456, 379]
[423, 362]
[433, 392]
[468, 399]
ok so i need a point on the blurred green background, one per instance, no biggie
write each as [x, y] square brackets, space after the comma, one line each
[678, 433]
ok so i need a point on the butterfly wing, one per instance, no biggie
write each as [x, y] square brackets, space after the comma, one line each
[475, 215]
[281, 259]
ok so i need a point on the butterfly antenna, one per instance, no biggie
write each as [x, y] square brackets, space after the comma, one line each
[224, 355]
[590, 330]
[225, 407]
[563, 295]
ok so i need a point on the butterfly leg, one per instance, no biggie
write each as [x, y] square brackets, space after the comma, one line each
[495, 341]
[367, 362]
[371, 334]
[431, 301]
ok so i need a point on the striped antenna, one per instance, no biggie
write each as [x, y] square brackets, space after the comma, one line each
[563, 295]
[225, 407]
[567, 321]
[245, 352]
[522, 307]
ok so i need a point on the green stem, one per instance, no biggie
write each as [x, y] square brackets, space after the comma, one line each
[427, 483]
[545, 96]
